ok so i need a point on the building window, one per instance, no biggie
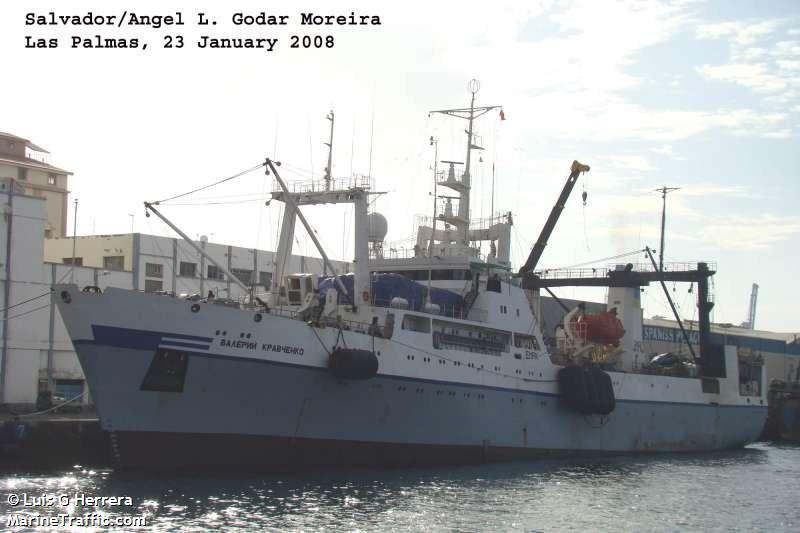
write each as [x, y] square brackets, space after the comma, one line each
[68, 261]
[22, 173]
[48, 234]
[244, 275]
[114, 262]
[153, 285]
[68, 389]
[265, 278]
[214, 273]
[188, 269]
[51, 179]
[154, 270]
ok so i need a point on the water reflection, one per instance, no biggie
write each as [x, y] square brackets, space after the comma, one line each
[759, 485]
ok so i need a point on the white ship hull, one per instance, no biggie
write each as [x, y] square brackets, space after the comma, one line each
[259, 394]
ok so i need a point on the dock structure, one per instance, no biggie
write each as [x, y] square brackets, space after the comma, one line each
[783, 420]
[53, 441]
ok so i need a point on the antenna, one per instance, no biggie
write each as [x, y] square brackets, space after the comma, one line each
[371, 133]
[491, 211]
[664, 191]
[352, 146]
[463, 186]
[329, 144]
[435, 144]
[74, 242]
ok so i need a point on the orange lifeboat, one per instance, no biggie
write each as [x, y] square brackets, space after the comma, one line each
[602, 328]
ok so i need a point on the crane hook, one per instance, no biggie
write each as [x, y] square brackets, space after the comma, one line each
[584, 195]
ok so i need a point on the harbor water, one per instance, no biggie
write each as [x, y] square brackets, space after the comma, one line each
[754, 489]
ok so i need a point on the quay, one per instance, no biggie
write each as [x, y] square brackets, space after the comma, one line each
[52, 441]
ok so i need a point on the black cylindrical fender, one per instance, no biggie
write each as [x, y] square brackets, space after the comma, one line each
[351, 363]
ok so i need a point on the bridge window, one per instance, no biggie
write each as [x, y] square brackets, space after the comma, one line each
[418, 324]
[470, 339]
[527, 342]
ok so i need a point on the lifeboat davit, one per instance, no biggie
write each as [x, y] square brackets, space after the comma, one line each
[602, 328]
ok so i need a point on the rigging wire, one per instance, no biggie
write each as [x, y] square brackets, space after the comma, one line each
[28, 312]
[5, 311]
[618, 256]
[585, 234]
[229, 202]
[53, 408]
[242, 173]
[310, 148]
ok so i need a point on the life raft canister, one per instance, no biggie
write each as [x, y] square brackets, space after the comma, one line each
[352, 363]
[604, 327]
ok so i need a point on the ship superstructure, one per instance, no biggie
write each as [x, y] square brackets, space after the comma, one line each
[434, 357]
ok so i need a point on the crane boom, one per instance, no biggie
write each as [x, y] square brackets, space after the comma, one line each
[547, 230]
[751, 315]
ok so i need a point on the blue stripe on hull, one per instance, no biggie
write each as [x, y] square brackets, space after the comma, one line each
[135, 338]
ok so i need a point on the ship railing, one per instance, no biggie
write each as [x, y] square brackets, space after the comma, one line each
[401, 252]
[569, 273]
[487, 222]
[598, 272]
[411, 252]
[671, 266]
[442, 178]
[348, 325]
[356, 181]
[474, 224]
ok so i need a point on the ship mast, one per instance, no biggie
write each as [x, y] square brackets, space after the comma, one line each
[329, 144]
[461, 221]
[664, 191]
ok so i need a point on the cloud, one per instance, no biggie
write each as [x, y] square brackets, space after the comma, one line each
[627, 162]
[668, 151]
[749, 233]
[619, 119]
[742, 33]
[762, 59]
[664, 149]
[724, 232]
[705, 189]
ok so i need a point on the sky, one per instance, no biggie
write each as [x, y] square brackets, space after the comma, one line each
[704, 96]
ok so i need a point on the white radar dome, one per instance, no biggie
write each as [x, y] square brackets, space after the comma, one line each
[377, 227]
